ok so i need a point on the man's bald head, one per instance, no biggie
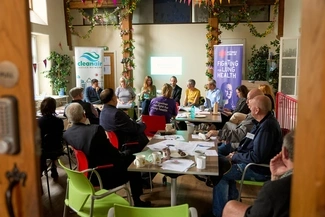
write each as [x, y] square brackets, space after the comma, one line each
[260, 106]
[252, 94]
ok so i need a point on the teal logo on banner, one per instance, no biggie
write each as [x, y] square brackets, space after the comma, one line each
[227, 72]
[90, 60]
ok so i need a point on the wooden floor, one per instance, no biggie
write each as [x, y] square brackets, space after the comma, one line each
[190, 190]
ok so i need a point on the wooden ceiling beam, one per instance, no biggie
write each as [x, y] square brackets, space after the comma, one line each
[249, 2]
[92, 4]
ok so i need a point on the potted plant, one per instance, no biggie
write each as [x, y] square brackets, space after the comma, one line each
[263, 66]
[59, 71]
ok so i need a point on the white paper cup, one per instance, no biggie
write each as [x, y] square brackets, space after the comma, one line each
[201, 162]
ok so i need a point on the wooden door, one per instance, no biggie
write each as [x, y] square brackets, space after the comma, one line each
[307, 198]
[109, 70]
[15, 57]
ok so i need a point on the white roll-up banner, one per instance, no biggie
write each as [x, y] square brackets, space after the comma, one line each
[89, 65]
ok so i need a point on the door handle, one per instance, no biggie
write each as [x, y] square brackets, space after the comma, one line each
[14, 177]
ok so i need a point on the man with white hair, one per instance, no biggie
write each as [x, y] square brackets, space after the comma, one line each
[92, 140]
[214, 95]
[274, 198]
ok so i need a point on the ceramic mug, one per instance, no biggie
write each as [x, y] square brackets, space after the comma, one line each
[155, 158]
[140, 160]
[168, 127]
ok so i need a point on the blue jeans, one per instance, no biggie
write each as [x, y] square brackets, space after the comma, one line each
[225, 149]
[226, 189]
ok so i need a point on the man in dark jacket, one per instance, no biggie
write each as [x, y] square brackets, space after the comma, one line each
[113, 119]
[91, 113]
[274, 198]
[177, 90]
[259, 146]
[92, 140]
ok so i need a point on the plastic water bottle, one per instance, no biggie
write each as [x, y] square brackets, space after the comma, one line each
[192, 112]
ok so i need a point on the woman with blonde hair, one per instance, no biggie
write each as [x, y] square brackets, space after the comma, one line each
[267, 90]
[124, 93]
[164, 105]
[148, 92]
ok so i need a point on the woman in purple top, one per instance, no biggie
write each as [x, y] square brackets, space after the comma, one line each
[164, 105]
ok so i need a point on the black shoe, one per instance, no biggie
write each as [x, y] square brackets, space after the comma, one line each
[201, 178]
[141, 203]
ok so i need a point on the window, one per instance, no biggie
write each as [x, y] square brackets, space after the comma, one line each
[169, 11]
[289, 70]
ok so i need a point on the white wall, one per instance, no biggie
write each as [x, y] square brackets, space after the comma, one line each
[292, 18]
[50, 36]
[185, 40]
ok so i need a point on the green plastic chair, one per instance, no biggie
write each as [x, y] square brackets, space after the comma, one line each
[248, 182]
[82, 198]
[171, 211]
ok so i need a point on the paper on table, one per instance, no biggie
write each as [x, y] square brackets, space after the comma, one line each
[180, 165]
[201, 146]
[211, 153]
[169, 137]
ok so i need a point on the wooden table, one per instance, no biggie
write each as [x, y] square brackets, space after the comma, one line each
[212, 167]
[210, 118]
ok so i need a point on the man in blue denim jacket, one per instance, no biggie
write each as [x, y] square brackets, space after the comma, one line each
[259, 146]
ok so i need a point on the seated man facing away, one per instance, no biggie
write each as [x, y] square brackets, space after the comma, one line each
[274, 198]
[113, 119]
[92, 92]
[91, 113]
[231, 134]
[192, 95]
[259, 146]
[92, 140]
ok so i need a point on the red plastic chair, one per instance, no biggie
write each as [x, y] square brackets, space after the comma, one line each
[82, 162]
[153, 123]
[111, 135]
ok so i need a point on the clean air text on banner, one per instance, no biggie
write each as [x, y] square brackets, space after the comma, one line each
[227, 72]
[89, 65]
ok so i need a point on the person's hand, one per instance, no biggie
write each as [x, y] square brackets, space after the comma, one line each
[277, 166]
[211, 133]
[229, 156]
[97, 89]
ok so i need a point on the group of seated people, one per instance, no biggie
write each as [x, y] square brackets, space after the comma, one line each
[257, 139]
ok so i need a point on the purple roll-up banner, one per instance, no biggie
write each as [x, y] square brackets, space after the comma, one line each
[227, 72]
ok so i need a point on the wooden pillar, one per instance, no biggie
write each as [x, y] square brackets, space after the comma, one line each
[308, 187]
[213, 39]
[127, 36]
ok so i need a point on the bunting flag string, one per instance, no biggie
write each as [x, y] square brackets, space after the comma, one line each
[60, 45]
[34, 67]
[45, 62]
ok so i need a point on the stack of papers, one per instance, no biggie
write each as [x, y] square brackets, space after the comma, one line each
[179, 165]
[124, 106]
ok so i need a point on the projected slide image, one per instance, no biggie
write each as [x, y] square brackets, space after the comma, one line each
[166, 65]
